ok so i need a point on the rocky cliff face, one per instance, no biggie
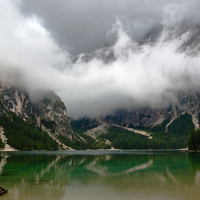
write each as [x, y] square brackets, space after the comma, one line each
[48, 112]
[49, 109]
[148, 118]
[15, 100]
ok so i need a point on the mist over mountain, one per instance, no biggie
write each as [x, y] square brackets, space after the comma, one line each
[105, 56]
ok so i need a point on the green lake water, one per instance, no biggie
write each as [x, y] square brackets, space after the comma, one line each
[100, 175]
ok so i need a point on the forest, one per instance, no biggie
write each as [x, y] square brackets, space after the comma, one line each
[175, 137]
[124, 139]
[194, 140]
[24, 136]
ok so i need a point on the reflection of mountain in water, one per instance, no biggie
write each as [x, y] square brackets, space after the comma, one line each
[46, 176]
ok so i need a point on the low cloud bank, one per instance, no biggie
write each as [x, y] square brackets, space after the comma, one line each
[128, 74]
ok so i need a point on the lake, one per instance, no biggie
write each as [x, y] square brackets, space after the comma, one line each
[100, 175]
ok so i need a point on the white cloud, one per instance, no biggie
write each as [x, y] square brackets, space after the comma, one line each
[140, 75]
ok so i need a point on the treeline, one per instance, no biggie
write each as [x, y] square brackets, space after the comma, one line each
[181, 126]
[84, 124]
[89, 143]
[24, 136]
[176, 136]
[124, 139]
[194, 140]
[177, 133]
[49, 124]
[2, 145]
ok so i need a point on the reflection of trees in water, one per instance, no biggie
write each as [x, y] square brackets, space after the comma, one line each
[42, 176]
[58, 169]
[194, 158]
[123, 172]
[2, 163]
[139, 170]
[118, 165]
[40, 167]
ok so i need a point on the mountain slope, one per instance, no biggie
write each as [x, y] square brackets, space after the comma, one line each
[147, 118]
[45, 118]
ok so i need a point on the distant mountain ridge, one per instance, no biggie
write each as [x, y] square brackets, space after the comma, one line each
[147, 118]
[146, 128]
[187, 102]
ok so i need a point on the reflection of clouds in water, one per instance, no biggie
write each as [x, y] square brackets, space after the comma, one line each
[197, 178]
[97, 169]
[116, 176]
[2, 163]
[172, 177]
[53, 164]
[139, 167]
[160, 178]
[103, 170]
[108, 157]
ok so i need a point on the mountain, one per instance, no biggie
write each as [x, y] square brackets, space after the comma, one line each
[43, 124]
[47, 116]
[143, 128]
[28, 125]
[148, 118]
[168, 126]
[188, 103]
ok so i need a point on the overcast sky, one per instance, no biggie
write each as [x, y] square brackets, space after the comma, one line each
[82, 25]
[40, 38]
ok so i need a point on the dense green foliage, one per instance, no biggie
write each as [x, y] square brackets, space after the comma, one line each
[199, 117]
[90, 143]
[22, 136]
[195, 161]
[84, 124]
[194, 140]
[161, 127]
[171, 141]
[49, 124]
[181, 126]
[177, 132]
[139, 127]
[2, 145]
[124, 139]
[176, 136]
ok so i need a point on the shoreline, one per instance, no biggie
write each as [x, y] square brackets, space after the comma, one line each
[112, 149]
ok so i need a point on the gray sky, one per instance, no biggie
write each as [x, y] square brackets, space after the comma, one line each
[39, 38]
[82, 25]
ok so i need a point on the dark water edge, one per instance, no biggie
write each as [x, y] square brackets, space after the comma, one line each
[101, 174]
[93, 152]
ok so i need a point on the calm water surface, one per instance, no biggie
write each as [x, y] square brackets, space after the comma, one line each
[100, 175]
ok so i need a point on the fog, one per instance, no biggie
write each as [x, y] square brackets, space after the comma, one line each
[37, 52]
[82, 25]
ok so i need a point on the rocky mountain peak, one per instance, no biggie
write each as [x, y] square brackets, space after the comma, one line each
[48, 112]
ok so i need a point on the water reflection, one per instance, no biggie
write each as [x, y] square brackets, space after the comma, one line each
[194, 158]
[115, 176]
